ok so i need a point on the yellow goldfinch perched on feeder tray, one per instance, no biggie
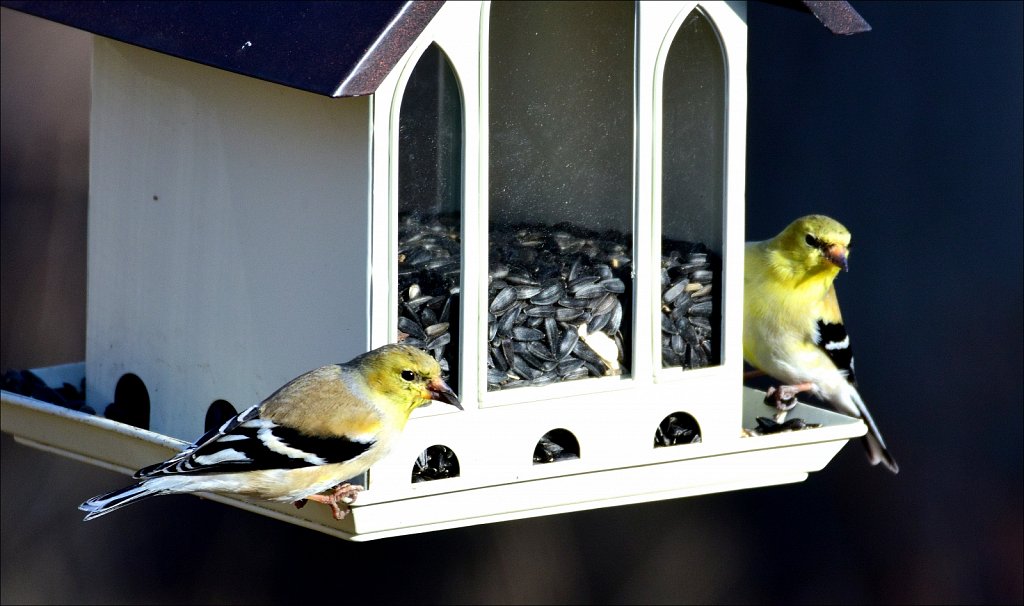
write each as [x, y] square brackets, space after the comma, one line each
[313, 434]
[792, 328]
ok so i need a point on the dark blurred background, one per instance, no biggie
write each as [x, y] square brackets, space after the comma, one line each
[910, 134]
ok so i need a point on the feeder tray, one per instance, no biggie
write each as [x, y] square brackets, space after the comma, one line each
[778, 459]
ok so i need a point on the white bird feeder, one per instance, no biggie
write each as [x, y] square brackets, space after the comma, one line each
[548, 196]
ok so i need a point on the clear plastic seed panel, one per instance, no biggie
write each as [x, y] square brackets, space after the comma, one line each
[430, 210]
[693, 180]
[560, 255]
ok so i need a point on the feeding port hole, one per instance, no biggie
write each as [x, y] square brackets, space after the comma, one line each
[218, 412]
[131, 402]
[677, 428]
[556, 445]
[435, 463]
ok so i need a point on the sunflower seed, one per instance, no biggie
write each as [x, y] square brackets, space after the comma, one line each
[583, 351]
[542, 311]
[551, 330]
[589, 291]
[614, 319]
[704, 308]
[503, 300]
[568, 342]
[419, 301]
[523, 333]
[566, 314]
[496, 359]
[701, 323]
[498, 271]
[439, 341]
[526, 292]
[614, 285]
[508, 320]
[675, 290]
[523, 369]
[605, 304]
[549, 294]
[411, 328]
[495, 376]
[541, 351]
[507, 349]
[575, 303]
[579, 373]
[580, 281]
[702, 275]
[435, 329]
[569, 366]
[597, 322]
[521, 279]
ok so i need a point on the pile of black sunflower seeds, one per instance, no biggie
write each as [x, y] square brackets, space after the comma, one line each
[559, 300]
[689, 310]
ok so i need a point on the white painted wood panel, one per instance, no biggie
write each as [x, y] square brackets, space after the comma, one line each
[228, 233]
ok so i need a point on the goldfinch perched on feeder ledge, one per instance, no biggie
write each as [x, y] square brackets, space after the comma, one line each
[313, 434]
[792, 328]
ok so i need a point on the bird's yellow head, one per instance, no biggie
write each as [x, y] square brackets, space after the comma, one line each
[407, 376]
[815, 243]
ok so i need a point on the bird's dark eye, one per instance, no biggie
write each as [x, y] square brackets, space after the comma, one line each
[408, 375]
[812, 241]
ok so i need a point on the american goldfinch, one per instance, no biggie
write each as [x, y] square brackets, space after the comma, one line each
[792, 328]
[317, 431]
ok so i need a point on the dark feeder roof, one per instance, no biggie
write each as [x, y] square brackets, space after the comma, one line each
[338, 49]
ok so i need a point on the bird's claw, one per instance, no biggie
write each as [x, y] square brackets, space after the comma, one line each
[775, 397]
[347, 493]
[342, 493]
[784, 396]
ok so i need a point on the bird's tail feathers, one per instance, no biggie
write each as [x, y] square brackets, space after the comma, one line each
[112, 501]
[874, 444]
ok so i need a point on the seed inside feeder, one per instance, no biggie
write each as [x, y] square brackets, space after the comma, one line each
[429, 278]
[556, 445]
[556, 298]
[435, 463]
[677, 428]
[690, 305]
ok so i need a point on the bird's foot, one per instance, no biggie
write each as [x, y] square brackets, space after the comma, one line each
[342, 493]
[783, 397]
[346, 493]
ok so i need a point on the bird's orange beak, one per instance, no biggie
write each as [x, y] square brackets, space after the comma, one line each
[440, 391]
[836, 254]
